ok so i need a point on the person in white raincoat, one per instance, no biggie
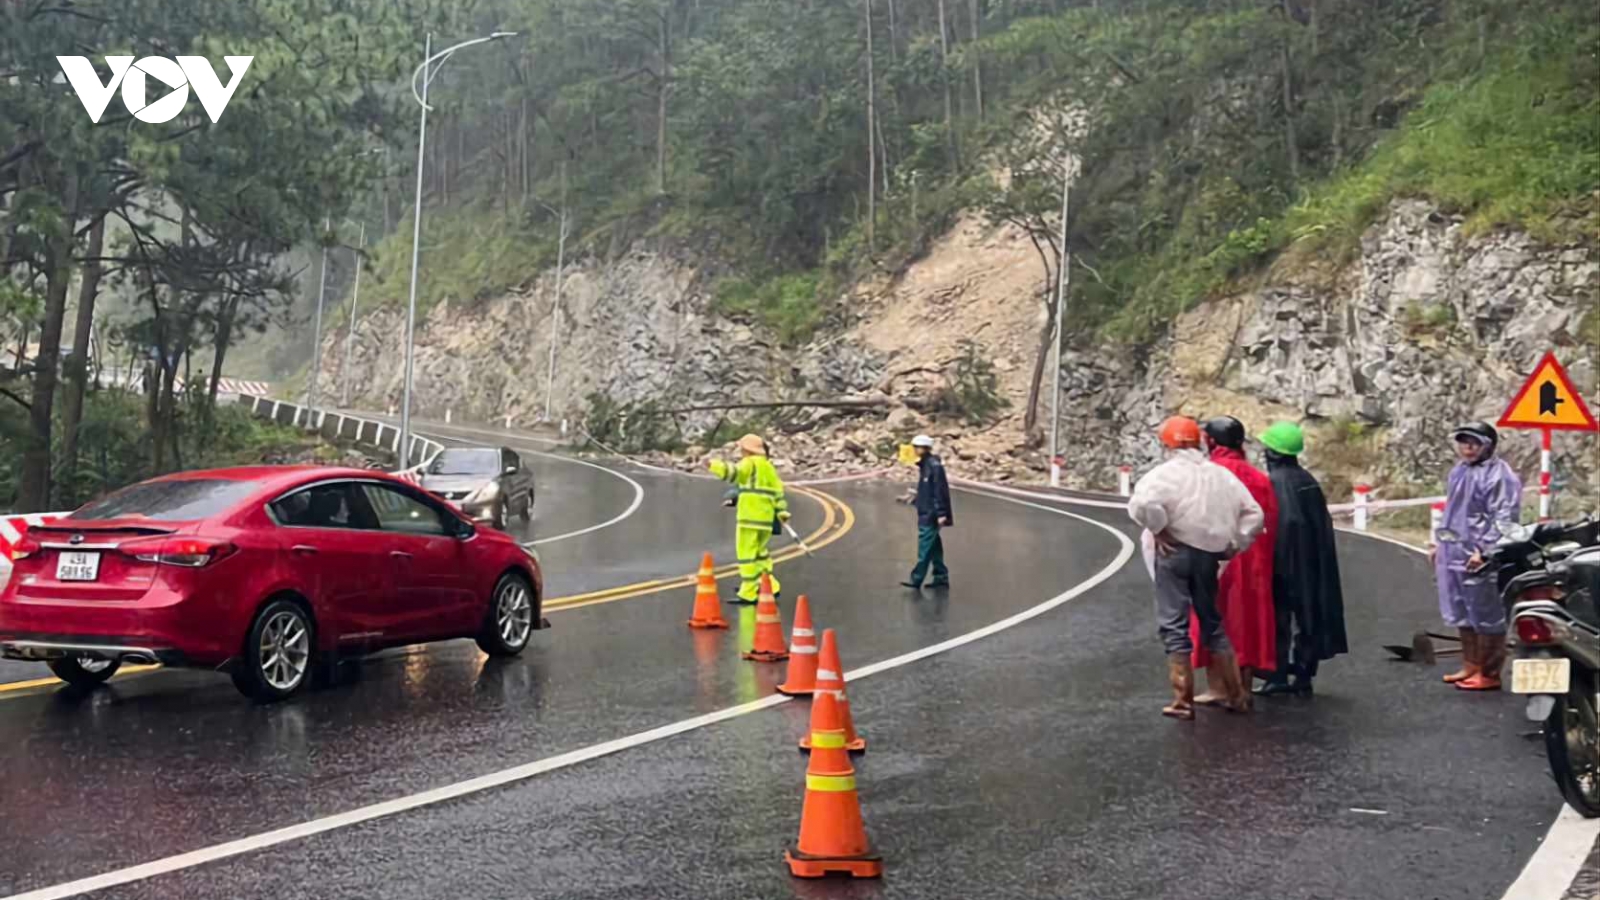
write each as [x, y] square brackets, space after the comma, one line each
[1196, 515]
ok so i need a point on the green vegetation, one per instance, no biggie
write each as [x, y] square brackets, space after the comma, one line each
[191, 222]
[972, 393]
[113, 446]
[474, 253]
[1435, 319]
[632, 428]
[788, 305]
[1210, 142]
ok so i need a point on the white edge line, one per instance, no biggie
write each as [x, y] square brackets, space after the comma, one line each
[638, 499]
[1555, 863]
[504, 777]
[638, 489]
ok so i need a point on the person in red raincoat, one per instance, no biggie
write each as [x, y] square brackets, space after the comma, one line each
[1249, 618]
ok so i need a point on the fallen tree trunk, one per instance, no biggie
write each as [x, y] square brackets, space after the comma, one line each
[867, 403]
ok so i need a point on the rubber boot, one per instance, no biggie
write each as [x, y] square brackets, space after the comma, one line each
[1181, 675]
[1469, 658]
[1491, 649]
[1223, 673]
[1302, 684]
[1277, 684]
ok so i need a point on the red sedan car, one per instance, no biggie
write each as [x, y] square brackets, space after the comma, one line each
[271, 573]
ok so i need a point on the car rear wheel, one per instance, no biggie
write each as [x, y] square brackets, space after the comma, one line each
[277, 657]
[84, 671]
[498, 517]
[527, 508]
[510, 620]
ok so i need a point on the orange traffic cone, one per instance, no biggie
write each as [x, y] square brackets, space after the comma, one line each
[707, 609]
[830, 680]
[769, 645]
[833, 840]
[802, 680]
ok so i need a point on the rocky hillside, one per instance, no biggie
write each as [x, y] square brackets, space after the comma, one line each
[1380, 356]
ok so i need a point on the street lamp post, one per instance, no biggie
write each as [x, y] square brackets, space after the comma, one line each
[425, 71]
[350, 335]
[316, 347]
[1063, 278]
[555, 328]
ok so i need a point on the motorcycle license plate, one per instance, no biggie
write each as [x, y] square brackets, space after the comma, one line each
[1540, 676]
[78, 567]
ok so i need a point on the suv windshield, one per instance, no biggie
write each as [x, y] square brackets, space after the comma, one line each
[169, 501]
[466, 462]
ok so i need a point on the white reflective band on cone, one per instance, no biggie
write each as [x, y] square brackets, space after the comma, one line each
[804, 632]
[808, 650]
[827, 675]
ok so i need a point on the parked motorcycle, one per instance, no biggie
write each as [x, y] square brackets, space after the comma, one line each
[1555, 625]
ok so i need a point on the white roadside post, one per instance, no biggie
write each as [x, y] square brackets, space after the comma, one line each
[1544, 477]
[1362, 490]
[1435, 522]
[1125, 481]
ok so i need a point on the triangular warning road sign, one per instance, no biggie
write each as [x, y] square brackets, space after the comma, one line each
[1548, 400]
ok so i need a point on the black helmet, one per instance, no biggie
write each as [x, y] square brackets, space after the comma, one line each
[1226, 431]
[1478, 432]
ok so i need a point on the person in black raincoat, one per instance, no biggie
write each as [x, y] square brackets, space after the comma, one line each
[1305, 576]
[932, 500]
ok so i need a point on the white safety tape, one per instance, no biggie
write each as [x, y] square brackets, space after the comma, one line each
[861, 476]
[1035, 495]
[1385, 504]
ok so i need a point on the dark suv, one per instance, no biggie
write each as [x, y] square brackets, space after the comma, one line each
[487, 484]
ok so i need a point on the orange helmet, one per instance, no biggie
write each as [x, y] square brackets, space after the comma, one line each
[1180, 431]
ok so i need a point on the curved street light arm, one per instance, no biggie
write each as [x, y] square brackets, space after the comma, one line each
[443, 56]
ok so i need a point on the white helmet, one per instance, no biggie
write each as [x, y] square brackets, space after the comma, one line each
[922, 440]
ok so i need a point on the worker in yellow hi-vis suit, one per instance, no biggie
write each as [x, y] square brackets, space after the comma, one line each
[761, 510]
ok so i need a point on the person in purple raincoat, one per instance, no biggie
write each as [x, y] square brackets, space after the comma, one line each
[1483, 494]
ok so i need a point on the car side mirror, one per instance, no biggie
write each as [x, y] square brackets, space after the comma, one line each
[511, 470]
[464, 530]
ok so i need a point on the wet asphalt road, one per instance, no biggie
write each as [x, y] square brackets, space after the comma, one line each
[1031, 763]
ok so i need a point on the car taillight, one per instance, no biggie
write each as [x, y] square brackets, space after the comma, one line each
[1542, 592]
[24, 548]
[1534, 631]
[191, 553]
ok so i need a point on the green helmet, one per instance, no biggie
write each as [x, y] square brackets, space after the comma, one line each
[1284, 438]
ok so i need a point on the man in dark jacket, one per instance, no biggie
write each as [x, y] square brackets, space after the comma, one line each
[1305, 573]
[932, 501]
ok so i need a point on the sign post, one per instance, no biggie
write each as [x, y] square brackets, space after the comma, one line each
[1548, 403]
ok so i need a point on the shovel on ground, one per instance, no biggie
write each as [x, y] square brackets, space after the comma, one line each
[1422, 649]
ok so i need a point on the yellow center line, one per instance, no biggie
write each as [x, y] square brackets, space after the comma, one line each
[53, 681]
[837, 521]
[831, 530]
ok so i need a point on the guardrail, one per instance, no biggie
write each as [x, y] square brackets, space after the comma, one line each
[339, 426]
[343, 427]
